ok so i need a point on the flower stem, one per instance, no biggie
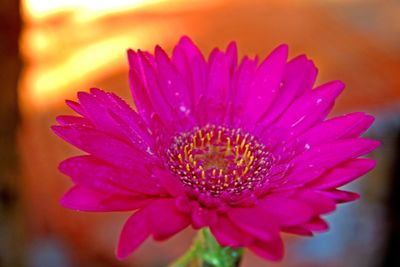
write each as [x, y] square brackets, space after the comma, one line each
[207, 252]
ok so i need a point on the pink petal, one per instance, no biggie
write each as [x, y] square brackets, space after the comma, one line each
[314, 162]
[169, 181]
[140, 96]
[255, 222]
[317, 225]
[266, 84]
[86, 198]
[159, 103]
[203, 217]
[135, 232]
[175, 91]
[192, 65]
[88, 170]
[73, 120]
[311, 108]
[341, 196]
[101, 145]
[231, 57]
[297, 230]
[228, 234]
[284, 211]
[272, 250]
[293, 77]
[347, 126]
[165, 219]
[75, 107]
[343, 174]
[97, 113]
[319, 202]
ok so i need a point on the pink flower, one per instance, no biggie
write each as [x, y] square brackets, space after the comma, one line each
[244, 149]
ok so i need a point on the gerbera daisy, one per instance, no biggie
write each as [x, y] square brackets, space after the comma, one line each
[242, 149]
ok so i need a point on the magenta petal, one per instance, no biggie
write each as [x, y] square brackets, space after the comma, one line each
[231, 57]
[255, 222]
[265, 85]
[272, 250]
[166, 220]
[86, 198]
[293, 77]
[170, 182]
[343, 174]
[75, 107]
[90, 171]
[341, 196]
[284, 211]
[297, 230]
[311, 108]
[97, 113]
[135, 232]
[203, 217]
[140, 96]
[101, 145]
[319, 202]
[347, 126]
[228, 234]
[174, 89]
[317, 225]
[314, 162]
[66, 120]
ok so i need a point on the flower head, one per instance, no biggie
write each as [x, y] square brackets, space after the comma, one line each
[242, 148]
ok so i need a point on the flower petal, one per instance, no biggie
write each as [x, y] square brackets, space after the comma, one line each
[103, 146]
[341, 196]
[90, 171]
[292, 79]
[135, 231]
[266, 84]
[272, 250]
[228, 234]
[284, 211]
[165, 219]
[172, 85]
[84, 198]
[311, 108]
[319, 202]
[314, 162]
[346, 126]
[343, 174]
[255, 222]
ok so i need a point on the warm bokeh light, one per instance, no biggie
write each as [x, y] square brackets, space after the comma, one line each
[65, 42]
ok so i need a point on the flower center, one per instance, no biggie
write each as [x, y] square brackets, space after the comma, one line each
[217, 159]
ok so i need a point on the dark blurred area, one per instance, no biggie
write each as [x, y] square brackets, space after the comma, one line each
[49, 50]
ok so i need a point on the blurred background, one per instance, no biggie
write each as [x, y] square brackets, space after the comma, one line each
[51, 49]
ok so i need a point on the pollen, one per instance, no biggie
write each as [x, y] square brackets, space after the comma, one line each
[216, 159]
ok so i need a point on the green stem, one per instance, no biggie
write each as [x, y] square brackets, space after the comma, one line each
[207, 252]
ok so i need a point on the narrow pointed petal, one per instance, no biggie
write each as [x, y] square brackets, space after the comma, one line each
[343, 174]
[136, 230]
[314, 162]
[166, 219]
[90, 171]
[101, 145]
[272, 250]
[311, 108]
[341, 196]
[347, 126]
[86, 198]
[172, 84]
[266, 84]
[228, 234]
[255, 222]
